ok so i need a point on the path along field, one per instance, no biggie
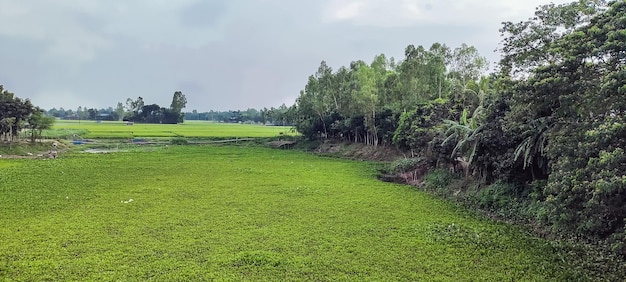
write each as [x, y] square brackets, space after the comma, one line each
[198, 129]
[191, 213]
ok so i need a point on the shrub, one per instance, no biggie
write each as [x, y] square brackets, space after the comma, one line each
[406, 164]
[497, 196]
[438, 179]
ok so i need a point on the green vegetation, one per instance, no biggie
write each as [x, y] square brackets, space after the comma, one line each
[246, 213]
[17, 115]
[22, 149]
[198, 129]
[545, 130]
[153, 113]
[538, 142]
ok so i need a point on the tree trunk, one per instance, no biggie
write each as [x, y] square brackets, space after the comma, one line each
[374, 130]
[323, 124]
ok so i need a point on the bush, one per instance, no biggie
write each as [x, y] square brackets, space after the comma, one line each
[406, 164]
[438, 180]
[497, 196]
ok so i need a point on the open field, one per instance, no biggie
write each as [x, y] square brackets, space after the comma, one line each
[189, 213]
[198, 129]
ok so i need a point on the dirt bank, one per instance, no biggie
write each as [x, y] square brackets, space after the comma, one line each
[358, 151]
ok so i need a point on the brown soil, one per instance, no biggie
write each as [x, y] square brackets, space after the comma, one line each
[360, 151]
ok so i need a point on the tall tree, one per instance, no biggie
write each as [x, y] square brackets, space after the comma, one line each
[14, 112]
[570, 109]
[119, 109]
[37, 123]
[366, 98]
[527, 44]
[134, 106]
[179, 102]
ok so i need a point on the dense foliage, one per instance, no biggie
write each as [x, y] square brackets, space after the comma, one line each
[17, 114]
[138, 111]
[550, 121]
[364, 102]
[282, 116]
[134, 110]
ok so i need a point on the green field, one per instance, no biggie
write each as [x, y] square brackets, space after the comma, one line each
[194, 129]
[245, 213]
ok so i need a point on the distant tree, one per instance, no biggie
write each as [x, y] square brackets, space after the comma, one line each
[119, 110]
[13, 112]
[264, 115]
[79, 113]
[113, 116]
[134, 106]
[62, 113]
[179, 101]
[37, 123]
[92, 113]
[6, 128]
[149, 114]
[54, 112]
[235, 117]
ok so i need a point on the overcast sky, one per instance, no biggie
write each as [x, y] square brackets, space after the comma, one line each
[222, 54]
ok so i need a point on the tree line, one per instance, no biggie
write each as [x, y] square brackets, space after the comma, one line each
[363, 102]
[551, 118]
[17, 115]
[138, 111]
[282, 115]
[134, 110]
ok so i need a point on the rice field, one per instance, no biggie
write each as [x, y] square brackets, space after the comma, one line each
[246, 213]
[189, 129]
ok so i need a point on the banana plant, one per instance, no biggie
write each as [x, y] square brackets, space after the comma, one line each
[465, 133]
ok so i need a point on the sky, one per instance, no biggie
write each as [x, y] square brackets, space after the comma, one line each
[222, 54]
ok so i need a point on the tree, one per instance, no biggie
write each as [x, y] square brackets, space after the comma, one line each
[6, 128]
[465, 133]
[441, 58]
[92, 114]
[264, 115]
[134, 106]
[467, 64]
[533, 148]
[37, 123]
[317, 101]
[568, 105]
[179, 101]
[119, 109]
[366, 98]
[528, 44]
[14, 111]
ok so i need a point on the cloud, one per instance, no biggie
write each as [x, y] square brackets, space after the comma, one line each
[402, 13]
[203, 14]
[221, 54]
[60, 30]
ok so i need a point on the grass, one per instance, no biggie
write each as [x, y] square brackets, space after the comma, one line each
[245, 213]
[195, 129]
[22, 149]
